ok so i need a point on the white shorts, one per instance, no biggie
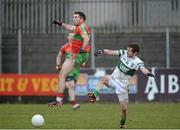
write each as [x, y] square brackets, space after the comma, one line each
[123, 97]
[122, 92]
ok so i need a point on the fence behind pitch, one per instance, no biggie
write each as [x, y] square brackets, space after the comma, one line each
[105, 16]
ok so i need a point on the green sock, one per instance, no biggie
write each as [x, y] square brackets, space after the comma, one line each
[95, 92]
[122, 121]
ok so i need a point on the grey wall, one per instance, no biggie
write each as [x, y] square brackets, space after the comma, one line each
[39, 51]
[152, 48]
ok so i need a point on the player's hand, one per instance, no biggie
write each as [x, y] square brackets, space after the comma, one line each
[151, 75]
[84, 64]
[58, 67]
[99, 52]
[57, 22]
[82, 50]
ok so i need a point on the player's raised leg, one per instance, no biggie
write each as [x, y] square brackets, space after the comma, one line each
[92, 96]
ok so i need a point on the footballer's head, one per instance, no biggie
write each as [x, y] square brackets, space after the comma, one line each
[79, 17]
[132, 50]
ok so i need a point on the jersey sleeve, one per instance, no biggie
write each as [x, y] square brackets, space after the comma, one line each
[82, 29]
[141, 63]
[121, 52]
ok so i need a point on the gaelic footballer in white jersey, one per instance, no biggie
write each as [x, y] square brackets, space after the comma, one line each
[125, 69]
[128, 64]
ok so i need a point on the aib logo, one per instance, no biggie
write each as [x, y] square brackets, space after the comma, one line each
[168, 84]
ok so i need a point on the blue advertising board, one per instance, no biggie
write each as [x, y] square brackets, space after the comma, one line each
[92, 81]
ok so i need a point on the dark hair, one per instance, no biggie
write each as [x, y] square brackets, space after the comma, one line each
[81, 15]
[135, 47]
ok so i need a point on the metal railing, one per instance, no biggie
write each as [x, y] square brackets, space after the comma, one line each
[105, 16]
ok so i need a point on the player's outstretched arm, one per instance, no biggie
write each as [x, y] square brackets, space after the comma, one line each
[66, 26]
[69, 26]
[146, 72]
[106, 52]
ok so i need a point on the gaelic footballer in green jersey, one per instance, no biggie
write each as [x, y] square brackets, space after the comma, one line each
[128, 64]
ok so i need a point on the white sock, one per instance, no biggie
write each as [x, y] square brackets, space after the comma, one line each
[59, 99]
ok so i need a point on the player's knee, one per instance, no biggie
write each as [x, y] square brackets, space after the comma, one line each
[104, 79]
[71, 86]
[124, 108]
[62, 75]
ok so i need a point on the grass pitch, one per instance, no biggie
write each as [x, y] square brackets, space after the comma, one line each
[91, 116]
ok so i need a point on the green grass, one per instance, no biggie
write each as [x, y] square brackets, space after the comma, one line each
[91, 116]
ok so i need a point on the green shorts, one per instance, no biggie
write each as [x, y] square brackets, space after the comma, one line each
[73, 75]
[80, 58]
